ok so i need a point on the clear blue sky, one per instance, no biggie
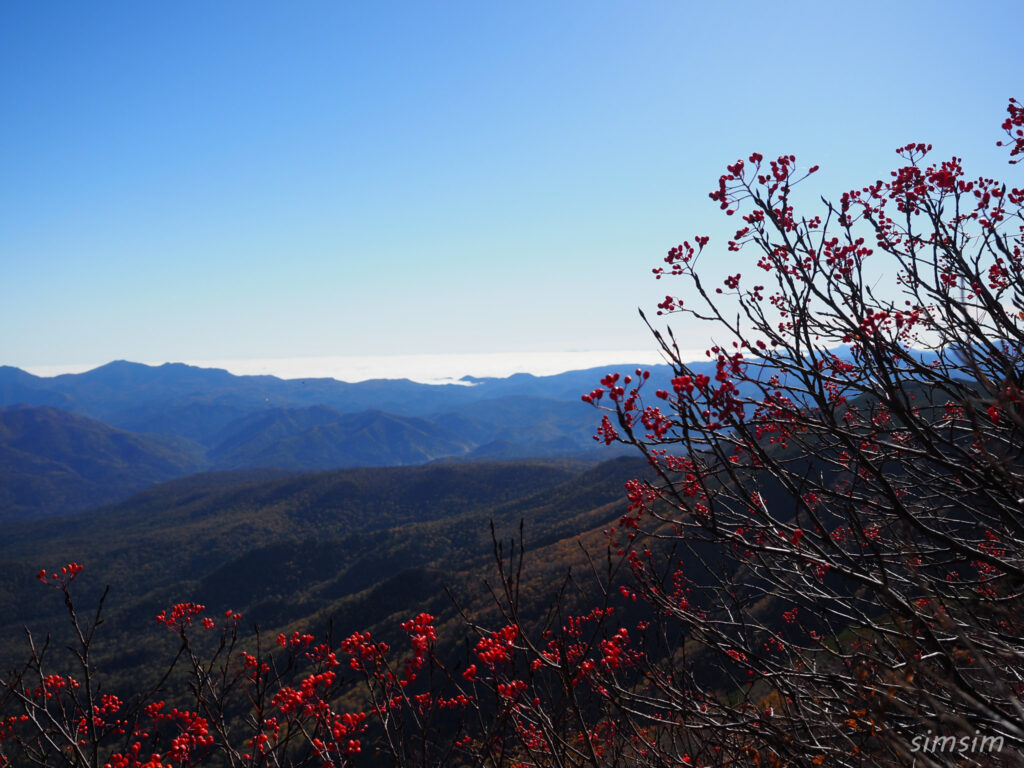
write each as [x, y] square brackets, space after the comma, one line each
[186, 180]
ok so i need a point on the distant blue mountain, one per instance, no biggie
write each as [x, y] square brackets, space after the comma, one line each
[92, 437]
[55, 462]
[212, 420]
[200, 403]
[71, 442]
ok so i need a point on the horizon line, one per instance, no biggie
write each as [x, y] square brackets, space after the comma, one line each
[423, 368]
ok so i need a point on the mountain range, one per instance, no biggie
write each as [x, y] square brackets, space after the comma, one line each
[75, 441]
[70, 442]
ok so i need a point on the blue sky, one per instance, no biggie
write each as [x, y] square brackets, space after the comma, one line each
[215, 181]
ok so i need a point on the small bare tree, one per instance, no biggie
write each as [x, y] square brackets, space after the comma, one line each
[845, 491]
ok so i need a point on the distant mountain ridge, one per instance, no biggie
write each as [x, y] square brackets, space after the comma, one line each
[192, 419]
[319, 438]
[125, 394]
[208, 405]
[55, 462]
[186, 419]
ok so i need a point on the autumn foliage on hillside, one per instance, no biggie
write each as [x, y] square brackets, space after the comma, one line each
[827, 569]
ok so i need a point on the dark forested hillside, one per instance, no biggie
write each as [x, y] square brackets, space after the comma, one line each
[54, 462]
[351, 545]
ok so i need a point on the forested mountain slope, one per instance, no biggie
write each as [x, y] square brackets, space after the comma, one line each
[53, 462]
[354, 545]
